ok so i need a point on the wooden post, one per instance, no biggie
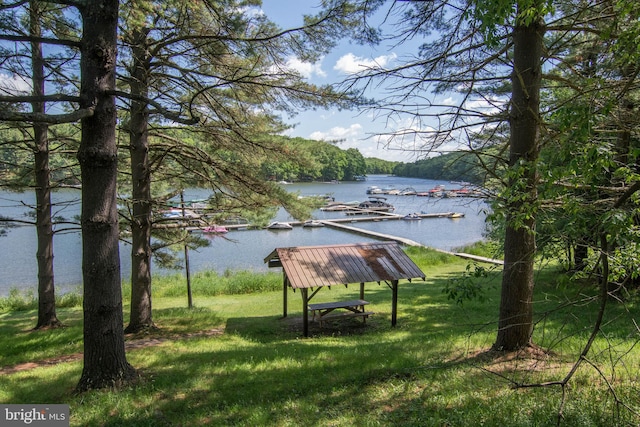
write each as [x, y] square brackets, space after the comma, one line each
[394, 302]
[305, 311]
[186, 258]
[362, 290]
[285, 282]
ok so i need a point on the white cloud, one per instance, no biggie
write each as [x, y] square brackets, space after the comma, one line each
[486, 105]
[338, 133]
[306, 69]
[14, 85]
[449, 101]
[351, 64]
[354, 136]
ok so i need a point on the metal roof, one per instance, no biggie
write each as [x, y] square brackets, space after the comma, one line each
[316, 266]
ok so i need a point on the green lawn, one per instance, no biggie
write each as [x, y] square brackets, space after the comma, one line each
[430, 370]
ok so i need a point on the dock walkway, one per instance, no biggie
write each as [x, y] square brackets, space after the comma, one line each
[408, 242]
[339, 223]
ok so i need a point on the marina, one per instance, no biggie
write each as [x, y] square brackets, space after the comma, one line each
[242, 247]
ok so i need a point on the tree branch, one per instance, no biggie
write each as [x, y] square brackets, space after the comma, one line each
[160, 109]
[12, 116]
[59, 97]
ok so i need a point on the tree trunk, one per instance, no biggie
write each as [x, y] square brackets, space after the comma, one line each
[515, 325]
[105, 363]
[47, 317]
[141, 182]
[580, 256]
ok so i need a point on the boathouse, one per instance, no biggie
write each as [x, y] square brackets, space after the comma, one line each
[313, 267]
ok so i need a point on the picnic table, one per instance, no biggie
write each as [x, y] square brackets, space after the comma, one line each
[322, 312]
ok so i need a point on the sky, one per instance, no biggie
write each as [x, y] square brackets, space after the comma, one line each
[356, 128]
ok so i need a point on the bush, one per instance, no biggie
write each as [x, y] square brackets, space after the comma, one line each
[18, 301]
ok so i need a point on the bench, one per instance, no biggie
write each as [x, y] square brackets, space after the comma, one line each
[323, 312]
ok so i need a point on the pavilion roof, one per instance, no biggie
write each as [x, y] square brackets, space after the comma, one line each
[327, 265]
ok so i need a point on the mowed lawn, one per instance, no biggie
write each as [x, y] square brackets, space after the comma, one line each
[233, 360]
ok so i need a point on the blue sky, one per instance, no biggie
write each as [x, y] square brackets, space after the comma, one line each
[355, 127]
[369, 131]
[358, 129]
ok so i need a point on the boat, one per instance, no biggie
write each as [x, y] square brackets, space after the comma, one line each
[339, 206]
[335, 208]
[412, 217]
[455, 215]
[388, 189]
[312, 223]
[374, 189]
[279, 226]
[376, 203]
[215, 229]
[409, 191]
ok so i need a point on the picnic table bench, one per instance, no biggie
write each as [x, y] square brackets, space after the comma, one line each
[325, 311]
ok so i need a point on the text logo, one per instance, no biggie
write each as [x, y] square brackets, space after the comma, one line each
[34, 415]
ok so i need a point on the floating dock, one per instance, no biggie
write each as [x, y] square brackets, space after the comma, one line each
[339, 223]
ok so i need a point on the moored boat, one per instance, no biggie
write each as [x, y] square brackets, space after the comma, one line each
[412, 217]
[376, 203]
[215, 229]
[279, 226]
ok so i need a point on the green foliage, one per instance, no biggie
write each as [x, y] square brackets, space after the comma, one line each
[379, 166]
[18, 301]
[456, 166]
[471, 285]
[429, 257]
[210, 283]
[492, 15]
[26, 300]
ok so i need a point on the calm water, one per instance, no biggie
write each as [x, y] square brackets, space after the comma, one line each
[243, 249]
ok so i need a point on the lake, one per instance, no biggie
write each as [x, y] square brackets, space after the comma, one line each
[243, 249]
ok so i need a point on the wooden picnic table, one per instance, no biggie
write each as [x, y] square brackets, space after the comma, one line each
[323, 312]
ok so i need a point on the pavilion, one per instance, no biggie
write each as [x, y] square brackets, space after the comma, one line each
[309, 267]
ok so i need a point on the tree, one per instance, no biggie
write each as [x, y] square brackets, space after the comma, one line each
[515, 325]
[105, 361]
[489, 54]
[213, 58]
[27, 63]
[47, 317]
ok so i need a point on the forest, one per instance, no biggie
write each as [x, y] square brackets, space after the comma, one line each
[315, 160]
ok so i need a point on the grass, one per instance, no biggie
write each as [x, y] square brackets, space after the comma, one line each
[430, 370]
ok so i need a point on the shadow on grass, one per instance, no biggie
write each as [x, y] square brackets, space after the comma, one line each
[261, 371]
[273, 328]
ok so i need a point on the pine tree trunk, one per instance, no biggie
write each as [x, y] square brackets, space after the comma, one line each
[105, 363]
[47, 317]
[515, 325]
[141, 317]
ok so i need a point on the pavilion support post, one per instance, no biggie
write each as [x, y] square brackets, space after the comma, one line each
[394, 302]
[362, 290]
[305, 311]
[285, 282]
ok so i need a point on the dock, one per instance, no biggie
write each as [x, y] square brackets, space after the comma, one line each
[340, 224]
[408, 242]
[381, 236]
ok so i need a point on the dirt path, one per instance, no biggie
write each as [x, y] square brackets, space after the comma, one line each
[130, 344]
